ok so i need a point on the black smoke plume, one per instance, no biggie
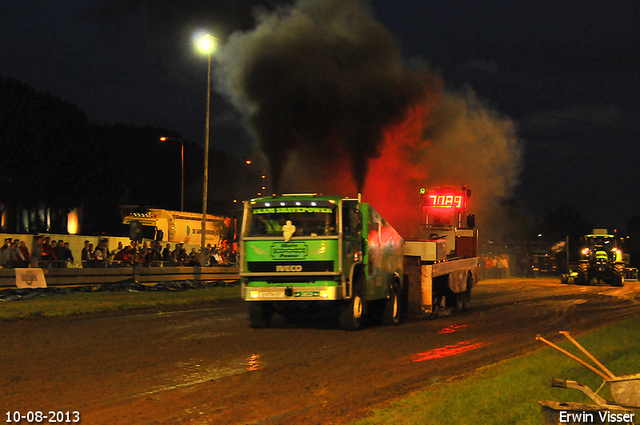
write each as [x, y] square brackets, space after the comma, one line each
[334, 109]
[321, 77]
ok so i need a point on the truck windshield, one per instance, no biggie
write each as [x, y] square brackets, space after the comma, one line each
[308, 221]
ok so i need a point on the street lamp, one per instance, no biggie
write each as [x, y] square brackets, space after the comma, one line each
[264, 177]
[163, 139]
[206, 44]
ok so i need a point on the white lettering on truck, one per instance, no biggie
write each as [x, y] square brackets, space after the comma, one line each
[297, 268]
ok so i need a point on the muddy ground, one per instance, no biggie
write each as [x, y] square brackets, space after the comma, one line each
[205, 366]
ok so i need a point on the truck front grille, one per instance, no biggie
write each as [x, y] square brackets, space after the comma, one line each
[290, 266]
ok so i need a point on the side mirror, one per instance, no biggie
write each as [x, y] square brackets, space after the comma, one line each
[471, 221]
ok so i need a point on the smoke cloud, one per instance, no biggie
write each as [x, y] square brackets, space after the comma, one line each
[334, 108]
[321, 77]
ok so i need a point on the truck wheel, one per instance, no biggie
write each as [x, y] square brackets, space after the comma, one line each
[618, 275]
[583, 274]
[260, 315]
[351, 313]
[391, 315]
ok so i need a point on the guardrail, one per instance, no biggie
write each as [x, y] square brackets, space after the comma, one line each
[87, 276]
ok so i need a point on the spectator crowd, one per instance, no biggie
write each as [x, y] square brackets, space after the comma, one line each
[15, 254]
[46, 253]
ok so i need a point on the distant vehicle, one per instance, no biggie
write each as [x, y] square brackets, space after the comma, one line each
[178, 226]
[601, 260]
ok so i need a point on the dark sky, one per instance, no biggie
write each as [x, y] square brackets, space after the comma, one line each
[566, 72]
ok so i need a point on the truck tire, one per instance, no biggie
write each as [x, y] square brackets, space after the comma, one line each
[392, 313]
[260, 314]
[618, 275]
[453, 300]
[466, 300]
[351, 313]
[583, 274]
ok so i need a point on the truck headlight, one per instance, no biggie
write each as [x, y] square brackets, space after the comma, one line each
[254, 294]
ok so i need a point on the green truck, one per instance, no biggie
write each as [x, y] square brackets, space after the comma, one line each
[311, 253]
[315, 252]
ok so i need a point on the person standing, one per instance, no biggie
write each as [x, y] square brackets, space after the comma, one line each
[180, 254]
[7, 245]
[22, 246]
[37, 252]
[59, 254]
[68, 255]
[17, 259]
[5, 253]
[118, 249]
[167, 258]
[47, 251]
[101, 254]
[85, 255]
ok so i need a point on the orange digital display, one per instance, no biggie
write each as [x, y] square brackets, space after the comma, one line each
[445, 201]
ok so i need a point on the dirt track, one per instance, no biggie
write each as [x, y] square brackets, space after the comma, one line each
[206, 366]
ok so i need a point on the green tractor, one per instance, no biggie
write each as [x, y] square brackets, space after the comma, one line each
[601, 260]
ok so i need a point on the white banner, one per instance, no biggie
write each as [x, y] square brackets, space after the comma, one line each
[30, 278]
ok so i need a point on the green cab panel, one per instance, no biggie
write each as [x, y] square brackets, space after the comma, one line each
[271, 260]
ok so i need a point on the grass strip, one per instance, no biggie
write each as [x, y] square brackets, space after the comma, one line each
[507, 392]
[100, 302]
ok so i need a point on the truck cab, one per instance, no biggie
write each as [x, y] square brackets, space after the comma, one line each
[315, 252]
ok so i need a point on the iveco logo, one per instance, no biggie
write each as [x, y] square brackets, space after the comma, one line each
[297, 268]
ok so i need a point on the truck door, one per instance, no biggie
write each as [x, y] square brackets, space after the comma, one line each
[351, 238]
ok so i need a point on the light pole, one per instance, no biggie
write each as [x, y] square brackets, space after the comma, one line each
[206, 44]
[163, 139]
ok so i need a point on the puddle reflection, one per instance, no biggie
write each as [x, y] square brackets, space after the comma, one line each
[446, 351]
[453, 328]
[253, 362]
[198, 371]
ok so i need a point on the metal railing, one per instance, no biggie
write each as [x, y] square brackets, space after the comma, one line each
[101, 264]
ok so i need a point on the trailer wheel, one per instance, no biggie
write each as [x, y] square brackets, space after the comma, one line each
[260, 314]
[459, 301]
[436, 301]
[391, 315]
[466, 295]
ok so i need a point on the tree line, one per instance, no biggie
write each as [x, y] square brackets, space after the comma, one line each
[53, 157]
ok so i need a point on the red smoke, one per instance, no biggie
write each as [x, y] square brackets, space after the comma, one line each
[395, 178]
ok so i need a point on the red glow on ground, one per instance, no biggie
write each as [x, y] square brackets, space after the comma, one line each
[446, 351]
[453, 328]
